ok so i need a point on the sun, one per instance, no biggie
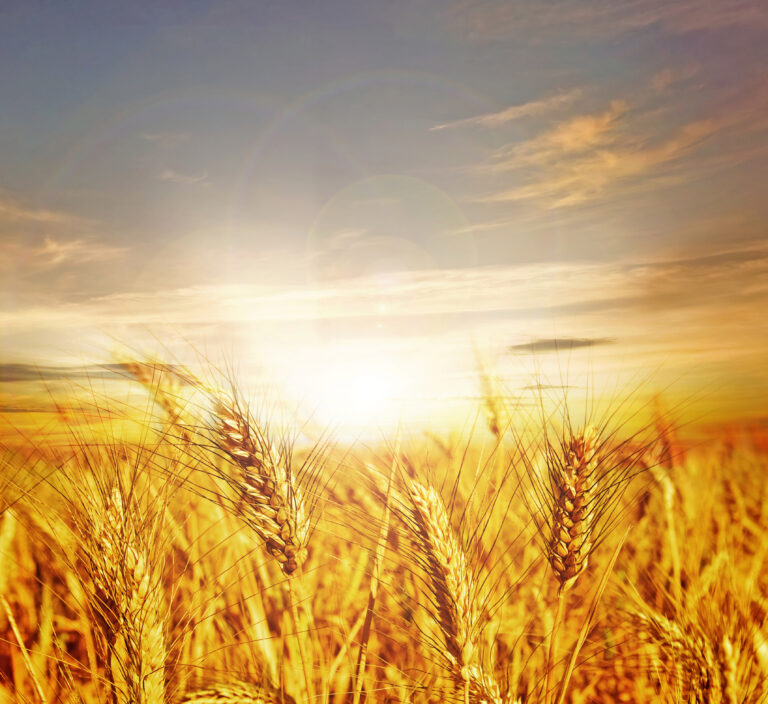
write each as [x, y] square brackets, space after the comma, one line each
[352, 394]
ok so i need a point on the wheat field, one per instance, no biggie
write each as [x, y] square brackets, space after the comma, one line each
[221, 554]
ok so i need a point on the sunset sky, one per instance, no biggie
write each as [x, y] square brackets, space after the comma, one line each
[352, 199]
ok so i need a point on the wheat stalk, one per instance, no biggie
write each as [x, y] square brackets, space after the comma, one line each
[454, 591]
[127, 598]
[23, 649]
[272, 496]
[272, 503]
[729, 657]
[573, 492]
[572, 482]
[8, 527]
[493, 398]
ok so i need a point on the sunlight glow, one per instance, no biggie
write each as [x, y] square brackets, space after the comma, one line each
[352, 394]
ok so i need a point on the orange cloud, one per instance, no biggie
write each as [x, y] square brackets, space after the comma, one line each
[575, 135]
[667, 77]
[514, 112]
[592, 172]
[18, 256]
[493, 19]
[12, 211]
[586, 157]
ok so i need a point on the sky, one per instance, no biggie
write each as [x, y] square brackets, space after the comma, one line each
[357, 202]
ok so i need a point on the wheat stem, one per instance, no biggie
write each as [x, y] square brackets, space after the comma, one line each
[23, 649]
[588, 620]
[374, 586]
[305, 664]
[551, 657]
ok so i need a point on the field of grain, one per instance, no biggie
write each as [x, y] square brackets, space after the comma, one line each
[219, 553]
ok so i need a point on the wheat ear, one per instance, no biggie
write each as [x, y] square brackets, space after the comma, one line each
[573, 489]
[128, 600]
[691, 652]
[271, 502]
[496, 412]
[573, 485]
[235, 693]
[454, 592]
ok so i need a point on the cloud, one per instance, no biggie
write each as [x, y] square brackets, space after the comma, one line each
[514, 112]
[662, 80]
[179, 177]
[575, 135]
[690, 312]
[497, 19]
[11, 372]
[589, 156]
[164, 140]
[53, 252]
[559, 344]
[689, 15]
[16, 372]
[15, 212]
[702, 279]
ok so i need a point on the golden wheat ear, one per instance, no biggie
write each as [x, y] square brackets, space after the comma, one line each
[119, 538]
[708, 645]
[494, 398]
[575, 498]
[455, 594]
[574, 487]
[273, 497]
[236, 693]
[691, 655]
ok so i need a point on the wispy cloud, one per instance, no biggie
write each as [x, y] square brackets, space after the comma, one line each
[501, 18]
[571, 173]
[13, 211]
[181, 177]
[19, 372]
[53, 252]
[11, 372]
[675, 283]
[164, 140]
[515, 112]
[626, 145]
[26, 409]
[559, 344]
[575, 135]
[662, 80]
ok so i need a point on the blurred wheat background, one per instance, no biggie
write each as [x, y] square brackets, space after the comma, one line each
[221, 553]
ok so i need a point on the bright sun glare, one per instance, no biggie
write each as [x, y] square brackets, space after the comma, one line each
[352, 394]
